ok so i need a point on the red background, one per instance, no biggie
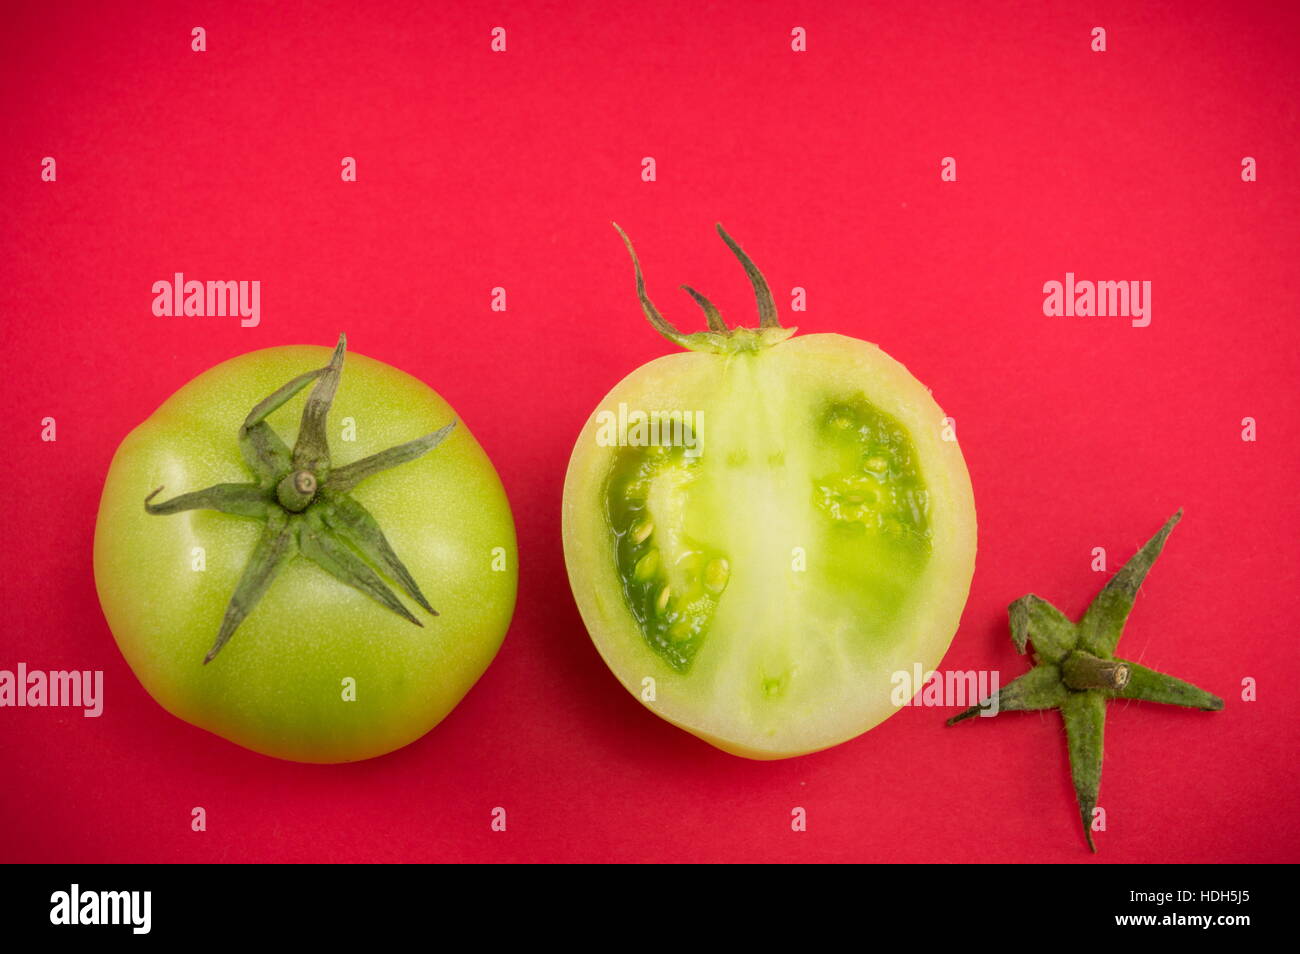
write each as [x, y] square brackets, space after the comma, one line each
[479, 169]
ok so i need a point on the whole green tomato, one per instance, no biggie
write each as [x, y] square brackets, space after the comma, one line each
[763, 532]
[257, 595]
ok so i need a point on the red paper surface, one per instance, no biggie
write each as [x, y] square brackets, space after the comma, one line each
[478, 169]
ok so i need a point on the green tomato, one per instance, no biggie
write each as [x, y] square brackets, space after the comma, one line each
[802, 531]
[259, 597]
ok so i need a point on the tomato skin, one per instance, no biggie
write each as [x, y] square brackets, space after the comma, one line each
[789, 670]
[279, 686]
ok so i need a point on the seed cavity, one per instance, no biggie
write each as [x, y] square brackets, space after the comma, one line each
[671, 582]
[879, 489]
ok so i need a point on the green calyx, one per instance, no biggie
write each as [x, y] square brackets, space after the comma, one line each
[1077, 672]
[306, 505]
[719, 339]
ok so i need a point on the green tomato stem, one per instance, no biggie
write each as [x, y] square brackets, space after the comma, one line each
[719, 339]
[1085, 671]
[296, 490]
[305, 505]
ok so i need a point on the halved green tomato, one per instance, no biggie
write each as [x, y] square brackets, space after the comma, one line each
[762, 532]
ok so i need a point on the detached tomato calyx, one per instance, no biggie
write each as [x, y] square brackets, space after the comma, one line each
[1076, 670]
[305, 503]
[719, 339]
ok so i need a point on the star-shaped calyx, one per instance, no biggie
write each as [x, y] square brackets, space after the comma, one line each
[306, 504]
[1076, 670]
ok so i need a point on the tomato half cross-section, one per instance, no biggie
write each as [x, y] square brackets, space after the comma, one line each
[310, 557]
[760, 533]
